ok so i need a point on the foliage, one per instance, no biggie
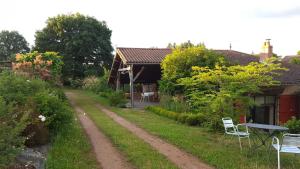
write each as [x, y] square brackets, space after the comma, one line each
[186, 44]
[11, 43]
[76, 83]
[46, 66]
[13, 121]
[82, 40]
[90, 83]
[53, 108]
[179, 64]
[174, 103]
[293, 125]
[98, 85]
[224, 90]
[298, 53]
[117, 98]
[295, 60]
[39, 96]
[187, 118]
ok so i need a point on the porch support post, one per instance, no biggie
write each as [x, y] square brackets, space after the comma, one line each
[130, 72]
[118, 81]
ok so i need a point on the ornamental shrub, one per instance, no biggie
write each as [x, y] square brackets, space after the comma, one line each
[195, 119]
[293, 125]
[117, 98]
[56, 110]
[46, 66]
[187, 118]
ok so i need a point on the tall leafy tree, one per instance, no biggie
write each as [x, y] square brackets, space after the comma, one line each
[83, 41]
[179, 64]
[11, 42]
[223, 91]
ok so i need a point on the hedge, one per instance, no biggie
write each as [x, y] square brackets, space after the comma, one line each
[186, 118]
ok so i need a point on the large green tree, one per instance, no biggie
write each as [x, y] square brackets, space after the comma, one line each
[224, 90]
[83, 41]
[11, 42]
[179, 64]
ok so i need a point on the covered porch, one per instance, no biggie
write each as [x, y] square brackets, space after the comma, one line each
[137, 71]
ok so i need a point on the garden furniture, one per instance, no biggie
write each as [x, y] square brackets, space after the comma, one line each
[146, 95]
[290, 144]
[259, 130]
[233, 130]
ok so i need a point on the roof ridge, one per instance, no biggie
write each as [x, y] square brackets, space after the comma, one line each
[228, 50]
[144, 48]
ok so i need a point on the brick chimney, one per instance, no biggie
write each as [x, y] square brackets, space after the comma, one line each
[266, 50]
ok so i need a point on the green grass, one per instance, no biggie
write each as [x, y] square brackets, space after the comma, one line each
[71, 150]
[139, 153]
[213, 148]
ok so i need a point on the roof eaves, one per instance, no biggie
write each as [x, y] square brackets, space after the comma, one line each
[121, 56]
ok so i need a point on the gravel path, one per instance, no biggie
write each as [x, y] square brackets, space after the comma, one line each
[107, 155]
[182, 159]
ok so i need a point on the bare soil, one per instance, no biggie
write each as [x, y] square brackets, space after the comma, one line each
[179, 157]
[106, 154]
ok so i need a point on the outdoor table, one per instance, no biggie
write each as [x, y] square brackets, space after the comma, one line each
[258, 130]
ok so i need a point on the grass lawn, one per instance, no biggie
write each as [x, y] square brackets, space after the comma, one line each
[71, 150]
[214, 148]
[139, 153]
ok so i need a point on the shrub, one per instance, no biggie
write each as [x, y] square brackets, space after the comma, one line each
[117, 98]
[195, 119]
[90, 83]
[13, 121]
[53, 108]
[187, 118]
[174, 103]
[76, 83]
[182, 117]
[39, 95]
[46, 66]
[293, 125]
[98, 85]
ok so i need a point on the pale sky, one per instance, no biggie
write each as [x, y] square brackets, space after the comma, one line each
[154, 23]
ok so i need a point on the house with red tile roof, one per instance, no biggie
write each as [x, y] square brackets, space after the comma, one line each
[135, 66]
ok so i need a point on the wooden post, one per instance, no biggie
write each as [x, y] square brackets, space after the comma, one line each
[118, 81]
[130, 72]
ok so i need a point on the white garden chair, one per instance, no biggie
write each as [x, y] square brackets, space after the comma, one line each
[233, 130]
[290, 144]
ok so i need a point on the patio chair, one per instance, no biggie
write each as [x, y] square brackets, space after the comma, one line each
[290, 144]
[233, 130]
[148, 90]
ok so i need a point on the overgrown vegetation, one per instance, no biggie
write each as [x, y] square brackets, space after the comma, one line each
[198, 119]
[199, 80]
[32, 109]
[100, 86]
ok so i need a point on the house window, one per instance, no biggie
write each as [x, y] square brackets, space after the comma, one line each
[264, 110]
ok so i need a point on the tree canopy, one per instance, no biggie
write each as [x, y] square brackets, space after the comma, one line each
[225, 90]
[11, 43]
[83, 41]
[179, 64]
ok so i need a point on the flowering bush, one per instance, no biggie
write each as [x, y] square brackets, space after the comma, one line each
[29, 108]
[46, 65]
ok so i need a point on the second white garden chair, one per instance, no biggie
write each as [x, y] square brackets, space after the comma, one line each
[290, 144]
[233, 130]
